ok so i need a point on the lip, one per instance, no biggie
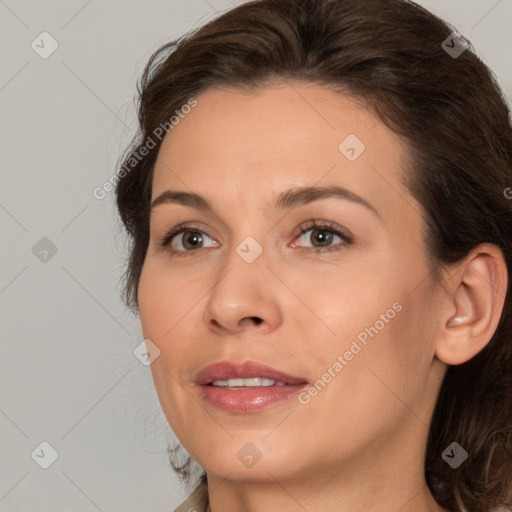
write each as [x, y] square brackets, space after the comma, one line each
[248, 399]
[225, 370]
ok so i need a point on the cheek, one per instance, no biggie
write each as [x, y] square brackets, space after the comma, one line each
[164, 306]
[166, 299]
[380, 371]
[369, 326]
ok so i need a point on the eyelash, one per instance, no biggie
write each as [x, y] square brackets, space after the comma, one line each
[323, 225]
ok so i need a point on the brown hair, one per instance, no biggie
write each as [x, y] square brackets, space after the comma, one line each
[456, 122]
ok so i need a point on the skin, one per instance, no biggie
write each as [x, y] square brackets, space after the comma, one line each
[359, 444]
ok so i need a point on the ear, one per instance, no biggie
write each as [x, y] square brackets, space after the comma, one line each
[475, 297]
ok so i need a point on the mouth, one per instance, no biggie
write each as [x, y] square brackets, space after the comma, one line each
[251, 382]
[248, 374]
[247, 387]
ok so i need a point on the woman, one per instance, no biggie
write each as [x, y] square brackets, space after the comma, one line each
[320, 209]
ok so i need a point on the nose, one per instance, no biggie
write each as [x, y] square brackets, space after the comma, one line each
[243, 299]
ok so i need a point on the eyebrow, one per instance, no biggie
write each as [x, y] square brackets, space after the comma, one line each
[291, 198]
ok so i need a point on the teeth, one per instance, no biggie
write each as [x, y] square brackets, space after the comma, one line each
[252, 382]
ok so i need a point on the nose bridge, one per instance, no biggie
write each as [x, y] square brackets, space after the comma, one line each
[241, 290]
[245, 238]
[243, 272]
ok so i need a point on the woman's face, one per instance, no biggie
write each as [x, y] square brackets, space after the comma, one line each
[347, 306]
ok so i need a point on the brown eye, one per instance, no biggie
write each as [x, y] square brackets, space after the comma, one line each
[191, 239]
[183, 239]
[323, 236]
[319, 237]
[188, 240]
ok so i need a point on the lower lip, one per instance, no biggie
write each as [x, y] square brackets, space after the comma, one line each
[248, 399]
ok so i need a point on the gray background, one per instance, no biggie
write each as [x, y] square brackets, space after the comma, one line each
[69, 376]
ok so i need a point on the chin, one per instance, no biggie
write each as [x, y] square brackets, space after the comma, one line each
[245, 458]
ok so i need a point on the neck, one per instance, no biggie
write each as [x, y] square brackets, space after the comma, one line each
[385, 477]
[298, 496]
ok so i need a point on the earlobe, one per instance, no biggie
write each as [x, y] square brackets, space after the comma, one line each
[477, 293]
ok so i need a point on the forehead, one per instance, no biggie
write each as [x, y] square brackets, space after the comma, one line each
[238, 144]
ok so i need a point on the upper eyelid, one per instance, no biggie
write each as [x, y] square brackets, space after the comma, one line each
[304, 227]
[179, 229]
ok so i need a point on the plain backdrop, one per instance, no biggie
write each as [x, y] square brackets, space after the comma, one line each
[69, 377]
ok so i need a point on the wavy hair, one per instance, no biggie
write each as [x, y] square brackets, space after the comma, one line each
[456, 121]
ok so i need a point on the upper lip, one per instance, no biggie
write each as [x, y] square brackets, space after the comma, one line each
[225, 370]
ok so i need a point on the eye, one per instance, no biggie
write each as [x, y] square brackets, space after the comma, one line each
[185, 238]
[324, 233]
